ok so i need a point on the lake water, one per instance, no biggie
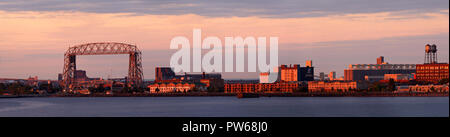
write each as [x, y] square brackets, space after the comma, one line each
[225, 107]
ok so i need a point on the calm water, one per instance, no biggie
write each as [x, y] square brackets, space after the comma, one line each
[228, 106]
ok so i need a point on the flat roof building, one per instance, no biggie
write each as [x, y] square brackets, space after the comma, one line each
[290, 73]
[262, 87]
[356, 72]
[432, 72]
[333, 86]
[294, 72]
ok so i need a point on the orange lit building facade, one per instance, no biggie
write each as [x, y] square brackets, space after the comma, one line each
[170, 87]
[322, 86]
[290, 73]
[432, 72]
[261, 87]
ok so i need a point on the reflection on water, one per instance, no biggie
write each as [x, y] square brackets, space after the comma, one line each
[19, 105]
[227, 106]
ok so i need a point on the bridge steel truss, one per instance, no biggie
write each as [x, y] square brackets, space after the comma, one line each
[135, 71]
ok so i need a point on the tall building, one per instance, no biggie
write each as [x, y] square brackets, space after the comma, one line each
[306, 73]
[356, 72]
[309, 63]
[290, 73]
[380, 60]
[294, 72]
[332, 75]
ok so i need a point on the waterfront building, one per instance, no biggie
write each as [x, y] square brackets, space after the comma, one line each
[164, 73]
[398, 77]
[242, 81]
[5, 93]
[215, 85]
[167, 81]
[197, 77]
[262, 87]
[422, 88]
[358, 72]
[373, 78]
[290, 73]
[332, 75]
[80, 75]
[307, 73]
[171, 87]
[323, 86]
[433, 72]
[295, 73]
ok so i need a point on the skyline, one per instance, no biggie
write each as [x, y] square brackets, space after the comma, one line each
[33, 40]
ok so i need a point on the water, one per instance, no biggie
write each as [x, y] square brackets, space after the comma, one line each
[226, 107]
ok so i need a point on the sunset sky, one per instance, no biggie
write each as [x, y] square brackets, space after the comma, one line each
[34, 34]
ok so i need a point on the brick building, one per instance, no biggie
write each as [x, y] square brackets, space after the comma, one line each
[319, 86]
[432, 72]
[170, 87]
[261, 87]
[290, 73]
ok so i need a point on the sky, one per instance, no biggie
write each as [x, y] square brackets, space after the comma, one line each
[34, 34]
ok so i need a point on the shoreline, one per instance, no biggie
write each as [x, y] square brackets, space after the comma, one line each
[324, 94]
[355, 94]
